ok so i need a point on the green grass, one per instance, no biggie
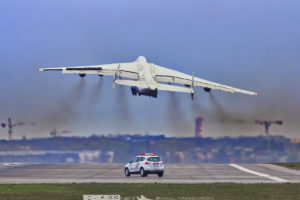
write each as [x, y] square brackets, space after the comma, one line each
[211, 191]
[292, 165]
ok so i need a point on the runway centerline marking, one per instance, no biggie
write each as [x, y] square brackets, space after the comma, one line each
[258, 173]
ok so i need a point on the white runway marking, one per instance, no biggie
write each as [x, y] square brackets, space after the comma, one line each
[9, 165]
[258, 173]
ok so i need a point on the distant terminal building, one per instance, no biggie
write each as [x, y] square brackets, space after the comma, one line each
[198, 127]
[57, 156]
[140, 138]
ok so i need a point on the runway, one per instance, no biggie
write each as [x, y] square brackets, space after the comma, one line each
[174, 173]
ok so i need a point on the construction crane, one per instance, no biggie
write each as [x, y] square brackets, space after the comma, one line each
[11, 125]
[267, 124]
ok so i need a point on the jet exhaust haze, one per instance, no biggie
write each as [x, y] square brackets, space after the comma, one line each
[65, 112]
[175, 116]
[221, 114]
[123, 115]
[94, 104]
[197, 108]
[97, 92]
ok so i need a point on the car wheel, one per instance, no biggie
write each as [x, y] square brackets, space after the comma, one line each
[143, 173]
[127, 173]
[160, 174]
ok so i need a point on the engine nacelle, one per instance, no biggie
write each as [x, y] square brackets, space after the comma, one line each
[82, 75]
[206, 89]
[145, 92]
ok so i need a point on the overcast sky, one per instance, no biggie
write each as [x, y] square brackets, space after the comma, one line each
[252, 45]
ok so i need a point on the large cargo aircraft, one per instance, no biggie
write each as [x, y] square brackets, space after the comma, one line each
[147, 78]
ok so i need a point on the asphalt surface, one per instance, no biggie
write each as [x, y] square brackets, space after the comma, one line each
[174, 173]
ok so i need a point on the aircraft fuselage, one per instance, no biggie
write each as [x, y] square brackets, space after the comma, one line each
[146, 75]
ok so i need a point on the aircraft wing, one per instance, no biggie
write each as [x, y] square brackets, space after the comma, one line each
[163, 74]
[126, 70]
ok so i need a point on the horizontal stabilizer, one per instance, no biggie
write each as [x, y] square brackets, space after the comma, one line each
[158, 86]
[140, 84]
[174, 88]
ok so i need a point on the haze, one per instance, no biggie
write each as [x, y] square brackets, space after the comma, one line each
[252, 45]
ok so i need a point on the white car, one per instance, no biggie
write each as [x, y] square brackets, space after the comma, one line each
[144, 164]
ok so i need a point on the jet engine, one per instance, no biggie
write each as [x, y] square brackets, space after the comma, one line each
[206, 89]
[82, 75]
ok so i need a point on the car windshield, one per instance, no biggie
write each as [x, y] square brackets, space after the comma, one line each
[140, 159]
[153, 159]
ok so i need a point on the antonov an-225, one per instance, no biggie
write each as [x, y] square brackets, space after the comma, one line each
[147, 78]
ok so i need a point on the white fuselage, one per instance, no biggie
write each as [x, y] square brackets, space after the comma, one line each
[146, 72]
